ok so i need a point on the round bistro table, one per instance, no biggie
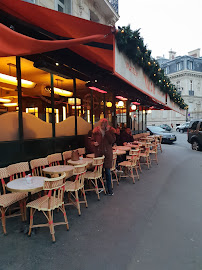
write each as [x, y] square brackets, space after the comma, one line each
[123, 148]
[55, 170]
[83, 161]
[118, 152]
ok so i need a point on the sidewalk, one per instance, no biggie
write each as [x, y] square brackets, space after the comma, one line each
[155, 224]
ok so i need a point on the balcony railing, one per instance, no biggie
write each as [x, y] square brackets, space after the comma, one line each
[115, 5]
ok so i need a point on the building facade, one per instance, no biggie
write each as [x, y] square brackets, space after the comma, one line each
[101, 11]
[185, 72]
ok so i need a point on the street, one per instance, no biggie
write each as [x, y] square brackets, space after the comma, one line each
[155, 224]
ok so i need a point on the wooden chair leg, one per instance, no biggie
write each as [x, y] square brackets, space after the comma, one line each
[84, 195]
[147, 160]
[139, 165]
[30, 222]
[50, 222]
[77, 202]
[132, 175]
[96, 189]
[3, 220]
[65, 216]
[137, 173]
[117, 180]
[103, 185]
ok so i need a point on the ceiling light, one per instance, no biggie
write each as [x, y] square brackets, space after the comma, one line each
[98, 90]
[13, 80]
[133, 107]
[62, 92]
[10, 104]
[121, 98]
[109, 104]
[5, 100]
[71, 101]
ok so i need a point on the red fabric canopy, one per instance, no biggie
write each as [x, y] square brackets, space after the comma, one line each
[60, 24]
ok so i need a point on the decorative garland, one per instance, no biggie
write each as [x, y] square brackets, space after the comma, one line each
[132, 45]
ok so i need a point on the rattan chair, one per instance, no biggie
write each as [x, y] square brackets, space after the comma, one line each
[73, 187]
[129, 165]
[95, 176]
[159, 142]
[144, 154]
[66, 156]
[48, 203]
[114, 170]
[154, 151]
[82, 151]
[37, 166]
[54, 159]
[136, 152]
[9, 199]
[18, 170]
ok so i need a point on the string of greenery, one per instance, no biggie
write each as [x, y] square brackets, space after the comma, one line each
[132, 45]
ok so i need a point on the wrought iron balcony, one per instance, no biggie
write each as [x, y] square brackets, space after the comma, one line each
[115, 5]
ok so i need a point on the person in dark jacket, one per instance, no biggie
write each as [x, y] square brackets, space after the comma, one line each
[118, 137]
[88, 143]
[126, 136]
[103, 138]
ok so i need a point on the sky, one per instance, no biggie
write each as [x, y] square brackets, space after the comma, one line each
[165, 24]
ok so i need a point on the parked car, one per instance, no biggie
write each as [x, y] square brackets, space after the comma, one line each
[183, 127]
[167, 137]
[166, 127]
[194, 134]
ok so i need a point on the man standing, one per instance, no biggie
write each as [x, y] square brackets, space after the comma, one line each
[103, 137]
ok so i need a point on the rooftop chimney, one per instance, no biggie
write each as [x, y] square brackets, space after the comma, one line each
[172, 54]
[194, 53]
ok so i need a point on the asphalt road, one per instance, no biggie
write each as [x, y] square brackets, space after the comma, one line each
[155, 224]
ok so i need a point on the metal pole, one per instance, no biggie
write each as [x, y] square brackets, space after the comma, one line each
[142, 119]
[138, 116]
[127, 114]
[91, 111]
[114, 111]
[145, 120]
[75, 109]
[52, 106]
[104, 105]
[20, 118]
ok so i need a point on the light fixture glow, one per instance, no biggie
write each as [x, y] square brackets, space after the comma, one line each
[149, 111]
[121, 98]
[10, 104]
[71, 101]
[120, 104]
[109, 104]
[97, 89]
[13, 80]
[5, 100]
[133, 107]
[62, 92]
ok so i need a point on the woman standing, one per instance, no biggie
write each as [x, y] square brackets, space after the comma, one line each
[103, 137]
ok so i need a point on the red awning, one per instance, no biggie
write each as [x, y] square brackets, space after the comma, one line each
[62, 25]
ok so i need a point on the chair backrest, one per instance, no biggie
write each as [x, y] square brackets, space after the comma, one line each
[79, 172]
[133, 152]
[114, 162]
[55, 188]
[66, 156]
[18, 170]
[82, 151]
[37, 165]
[98, 163]
[54, 159]
[133, 160]
[4, 174]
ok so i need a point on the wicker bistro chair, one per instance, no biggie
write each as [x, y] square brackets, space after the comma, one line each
[144, 154]
[37, 166]
[54, 159]
[159, 142]
[114, 170]
[95, 176]
[82, 151]
[154, 151]
[7, 200]
[129, 166]
[66, 156]
[135, 152]
[18, 170]
[73, 187]
[48, 203]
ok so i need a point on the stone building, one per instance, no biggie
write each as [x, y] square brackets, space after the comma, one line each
[101, 11]
[185, 72]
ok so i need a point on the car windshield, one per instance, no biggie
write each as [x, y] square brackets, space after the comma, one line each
[156, 129]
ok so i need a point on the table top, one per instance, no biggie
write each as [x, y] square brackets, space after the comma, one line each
[81, 161]
[90, 155]
[124, 148]
[58, 169]
[21, 184]
[119, 152]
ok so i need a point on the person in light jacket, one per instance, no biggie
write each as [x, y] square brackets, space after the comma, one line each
[103, 138]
